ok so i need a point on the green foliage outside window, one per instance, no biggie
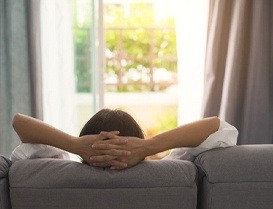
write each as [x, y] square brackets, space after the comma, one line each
[130, 50]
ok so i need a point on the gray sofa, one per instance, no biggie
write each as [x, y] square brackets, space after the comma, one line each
[239, 177]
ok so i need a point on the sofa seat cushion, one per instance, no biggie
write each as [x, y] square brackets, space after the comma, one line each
[244, 163]
[55, 183]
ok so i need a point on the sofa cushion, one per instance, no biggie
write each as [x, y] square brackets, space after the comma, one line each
[4, 183]
[55, 183]
[4, 166]
[66, 174]
[244, 163]
[239, 177]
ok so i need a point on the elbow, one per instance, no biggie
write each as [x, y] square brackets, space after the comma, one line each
[19, 127]
[215, 118]
[214, 122]
[16, 120]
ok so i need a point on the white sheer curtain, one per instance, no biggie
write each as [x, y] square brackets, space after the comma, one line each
[191, 31]
[58, 65]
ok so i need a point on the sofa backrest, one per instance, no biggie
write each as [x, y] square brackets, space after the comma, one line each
[56, 184]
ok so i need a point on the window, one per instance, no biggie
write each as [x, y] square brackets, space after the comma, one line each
[140, 73]
[138, 70]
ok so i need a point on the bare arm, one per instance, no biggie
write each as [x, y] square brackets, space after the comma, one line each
[31, 130]
[189, 135]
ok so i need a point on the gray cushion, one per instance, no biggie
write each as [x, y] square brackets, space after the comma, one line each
[53, 183]
[66, 174]
[4, 166]
[4, 184]
[239, 177]
[244, 163]
[242, 195]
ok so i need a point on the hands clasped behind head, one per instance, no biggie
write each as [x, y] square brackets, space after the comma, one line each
[111, 152]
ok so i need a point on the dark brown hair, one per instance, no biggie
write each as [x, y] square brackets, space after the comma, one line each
[112, 120]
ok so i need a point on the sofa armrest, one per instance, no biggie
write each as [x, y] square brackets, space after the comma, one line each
[4, 183]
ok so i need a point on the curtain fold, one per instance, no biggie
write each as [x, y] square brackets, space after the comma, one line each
[239, 67]
[35, 59]
[16, 75]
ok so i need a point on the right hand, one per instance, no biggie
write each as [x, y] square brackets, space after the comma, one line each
[137, 148]
[83, 147]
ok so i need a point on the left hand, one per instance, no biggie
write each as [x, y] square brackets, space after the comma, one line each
[136, 148]
[83, 146]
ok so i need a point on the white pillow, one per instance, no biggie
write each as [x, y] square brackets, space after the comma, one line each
[31, 151]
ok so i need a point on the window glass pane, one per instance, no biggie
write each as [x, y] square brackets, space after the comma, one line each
[81, 33]
[84, 19]
[141, 63]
